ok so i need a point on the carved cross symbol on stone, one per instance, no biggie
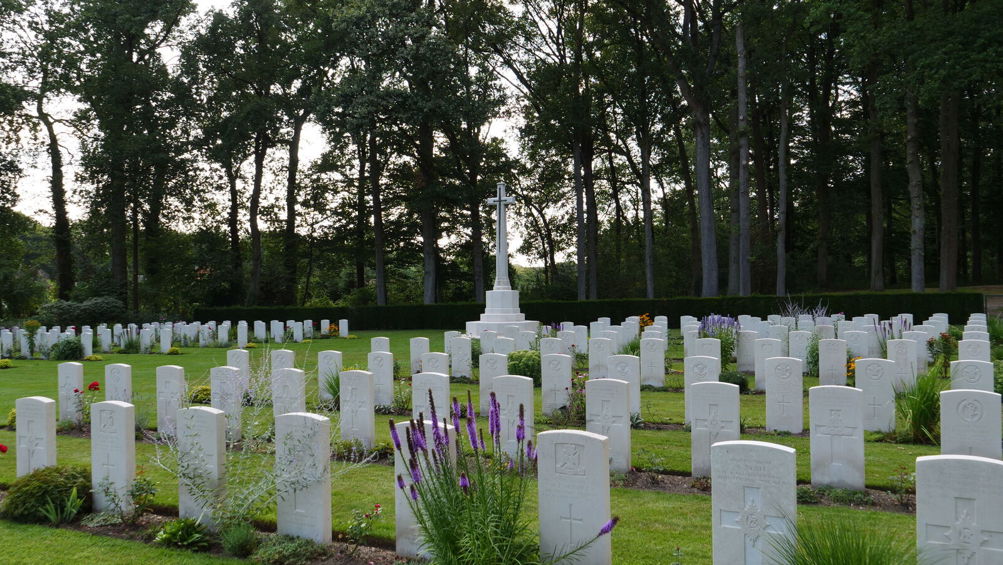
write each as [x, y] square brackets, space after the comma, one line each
[712, 423]
[108, 466]
[970, 544]
[571, 520]
[29, 444]
[753, 521]
[511, 413]
[874, 405]
[835, 430]
[357, 405]
[783, 402]
[605, 418]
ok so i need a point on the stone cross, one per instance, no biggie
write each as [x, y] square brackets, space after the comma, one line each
[501, 238]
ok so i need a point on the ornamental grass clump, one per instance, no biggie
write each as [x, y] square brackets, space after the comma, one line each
[918, 409]
[469, 508]
[838, 541]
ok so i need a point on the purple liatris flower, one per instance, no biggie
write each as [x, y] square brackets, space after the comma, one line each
[494, 419]
[470, 407]
[520, 429]
[530, 452]
[394, 436]
[431, 406]
[511, 465]
[415, 472]
[400, 482]
[472, 433]
[439, 436]
[607, 527]
[456, 414]
[464, 483]
[414, 493]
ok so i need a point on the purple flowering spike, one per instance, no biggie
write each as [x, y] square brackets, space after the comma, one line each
[608, 526]
[511, 465]
[400, 482]
[394, 436]
[529, 450]
[415, 472]
[472, 434]
[470, 407]
[520, 429]
[431, 407]
[414, 493]
[464, 483]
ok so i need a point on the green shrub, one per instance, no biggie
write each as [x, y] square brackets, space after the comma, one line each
[826, 540]
[846, 496]
[12, 419]
[184, 533]
[998, 377]
[736, 378]
[239, 539]
[63, 512]
[918, 410]
[995, 326]
[201, 395]
[90, 312]
[475, 353]
[28, 496]
[811, 357]
[69, 349]
[130, 345]
[6, 364]
[287, 550]
[526, 364]
[173, 351]
[632, 348]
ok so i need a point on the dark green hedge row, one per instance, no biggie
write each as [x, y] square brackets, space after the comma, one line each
[454, 316]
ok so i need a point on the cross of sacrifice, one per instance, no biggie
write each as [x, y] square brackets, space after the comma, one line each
[501, 238]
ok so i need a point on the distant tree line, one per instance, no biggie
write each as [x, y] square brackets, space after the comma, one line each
[661, 147]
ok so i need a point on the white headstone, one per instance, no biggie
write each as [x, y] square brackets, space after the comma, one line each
[408, 533]
[715, 416]
[288, 391]
[118, 382]
[600, 349]
[343, 328]
[282, 359]
[697, 369]
[745, 350]
[379, 344]
[970, 423]
[435, 363]
[607, 413]
[974, 350]
[797, 345]
[837, 436]
[113, 454]
[875, 377]
[556, 370]
[504, 345]
[242, 335]
[628, 368]
[201, 461]
[975, 375]
[259, 331]
[381, 365]
[488, 338]
[36, 433]
[460, 352]
[552, 345]
[903, 352]
[421, 385]
[765, 349]
[303, 476]
[653, 362]
[170, 397]
[784, 395]
[491, 365]
[227, 395]
[418, 347]
[328, 368]
[707, 347]
[358, 404]
[832, 362]
[71, 378]
[511, 391]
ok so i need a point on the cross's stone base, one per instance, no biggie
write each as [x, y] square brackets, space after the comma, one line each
[502, 309]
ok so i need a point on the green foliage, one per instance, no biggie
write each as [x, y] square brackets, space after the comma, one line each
[572, 413]
[239, 539]
[287, 550]
[91, 312]
[332, 386]
[174, 351]
[12, 419]
[526, 364]
[807, 495]
[846, 496]
[201, 394]
[811, 357]
[6, 364]
[63, 512]
[361, 524]
[838, 541]
[942, 348]
[903, 484]
[736, 378]
[401, 404]
[69, 349]
[918, 410]
[29, 495]
[995, 326]
[130, 345]
[183, 533]
[632, 348]
[475, 353]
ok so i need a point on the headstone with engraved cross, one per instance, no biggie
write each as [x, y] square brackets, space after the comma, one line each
[715, 412]
[201, 462]
[303, 475]
[832, 362]
[600, 349]
[753, 496]
[875, 378]
[574, 495]
[491, 365]
[71, 378]
[170, 396]
[903, 352]
[381, 365]
[421, 385]
[118, 382]
[113, 454]
[653, 361]
[784, 395]
[288, 391]
[358, 416]
[697, 369]
[959, 509]
[36, 433]
[226, 396]
[607, 413]
[556, 370]
[627, 368]
[837, 437]
[511, 392]
[328, 367]
[970, 423]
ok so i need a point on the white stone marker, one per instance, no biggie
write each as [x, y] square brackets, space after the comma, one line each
[974, 375]
[765, 349]
[903, 352]
[921, 349]
[435, 363]
[504, 345]
[282, 359]
[408, 533]
[166, 337]
[278, 330]
[600, 349]
[325, 328]
[71, 377]
[959, 509]
[607, 413]
[260, 333]
[303, 475]
[628, 368]
[784, 395]
[170, 398]
[328, 368]
[551, 345]
[715, 413]
[36, 433]
[202, 460]
[343, 328]
[832, 362]
[377, 344]
[875, 378]
[653, 362]
[556, 370]
[241, 359]
[970, 423]
[421, 385]
[573, 486]
[358, 404]
[797, 345]
[118, 382]
[753, 496]
[381, 365]
[242, 335]
[488, 338]
[491, 365]
[974, 350]
[460, 353]
[745, 350]
[975, 335]
[837, 436]
[288, 391]
[113, 454]
[697, 369]
[707, 347]
[227, 395]
[511, 391]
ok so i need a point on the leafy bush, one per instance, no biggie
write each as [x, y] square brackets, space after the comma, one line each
[69, 349]
[572, 413]
[526, 364]
[807, 495]
[811, 357]
[818, 540]
[287, 550]
[64, 513]
[29, 495]
[12, 419]
[995, 326]
[361, 524]
[918, 410]
[736, 378]
[846, 496]
[475, 352]
[239, 539]
[174, 351]
[184, 533]
[93, 358]
[632, 348]
[6, 364]
[201, 395]
[90, 312]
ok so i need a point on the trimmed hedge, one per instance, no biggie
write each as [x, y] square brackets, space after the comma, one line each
[452, 316]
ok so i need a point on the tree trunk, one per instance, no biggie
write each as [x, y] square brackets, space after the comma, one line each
[917, 214]
[708, 235]
[117, 221]
[290, 257]
[976, 221]
[649, 229]
[361, 223]
[950, 154]
[783, 160]
[592, 226]
[877, 275]
[379, 236]
[260, 151]
[427, 211]
[236, 257]
[618, 215]
[744, 238]
[576, 156]
[134, 221]
[61, 235]
[691, 208]
[734, 236]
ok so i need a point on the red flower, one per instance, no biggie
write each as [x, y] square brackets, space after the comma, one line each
[3, 448]
[94, 386]
[378, 506]
[76, 390]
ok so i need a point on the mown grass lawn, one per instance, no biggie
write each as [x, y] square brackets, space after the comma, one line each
[653, 524]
